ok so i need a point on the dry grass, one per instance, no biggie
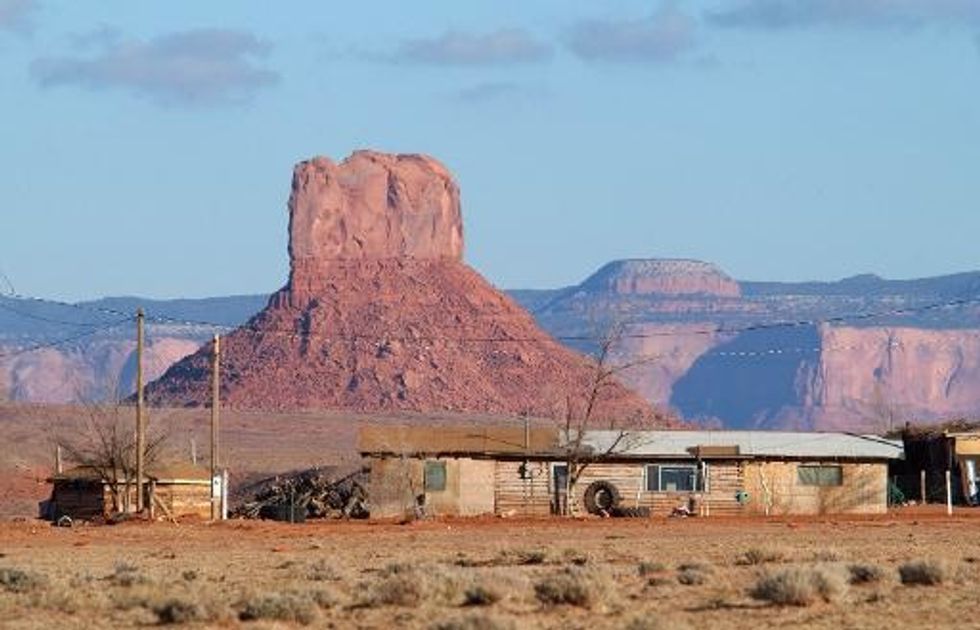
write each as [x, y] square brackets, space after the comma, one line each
[292, 607]
[574, 586]
[17, 581]
[474, 622]
[799, 586]
[924, 573]
[866, 573]
[760, 555]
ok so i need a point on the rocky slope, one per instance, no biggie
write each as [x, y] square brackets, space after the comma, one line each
[380, 312]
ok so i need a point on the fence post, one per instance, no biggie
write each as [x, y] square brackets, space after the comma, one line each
[949, 494]
[922, 487]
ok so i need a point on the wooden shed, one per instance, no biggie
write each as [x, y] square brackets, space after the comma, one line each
[504, 471]
[83, 493]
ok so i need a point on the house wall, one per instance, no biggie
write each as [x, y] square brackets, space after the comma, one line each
[485, 486]
[395, 483]
[185, 499]
[522, 497]
[79, 499]
[724, 482]
[776, 485]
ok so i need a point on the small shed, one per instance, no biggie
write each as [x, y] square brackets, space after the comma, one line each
[507, 471]
[176, 490]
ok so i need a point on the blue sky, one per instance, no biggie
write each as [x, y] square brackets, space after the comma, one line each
[146, 148]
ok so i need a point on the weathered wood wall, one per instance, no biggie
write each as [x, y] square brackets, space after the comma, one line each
[394, 483]
[776, 485]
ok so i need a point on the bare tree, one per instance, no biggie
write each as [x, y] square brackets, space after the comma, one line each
[589, 413]
[103, 441]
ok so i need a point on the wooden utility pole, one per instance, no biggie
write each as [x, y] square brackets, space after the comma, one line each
[215, 365]
[140, 417]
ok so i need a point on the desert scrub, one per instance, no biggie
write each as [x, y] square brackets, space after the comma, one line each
[799, 586]
[574, 586]
[865, 573]
[410, 586]
[923, 573]
[126, 575]
[179, 611]
[473, 622]
[481, 595]
[295, 607]
[647, 568]
[322, 571]
[17, 581]
[759, 555]
[693, 573]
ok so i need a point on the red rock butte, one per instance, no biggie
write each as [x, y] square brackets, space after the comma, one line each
[380, 313]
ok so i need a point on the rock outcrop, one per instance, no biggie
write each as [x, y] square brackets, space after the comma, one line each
[662, 277]
[380, 313]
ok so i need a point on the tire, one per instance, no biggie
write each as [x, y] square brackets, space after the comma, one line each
[601, 497]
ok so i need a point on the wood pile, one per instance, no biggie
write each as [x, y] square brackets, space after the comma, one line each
[313, 493]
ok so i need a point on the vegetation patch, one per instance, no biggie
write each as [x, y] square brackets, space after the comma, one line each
[17, 581]
[865, 573]
[760, 555]
[799, 586]
[279, 607]
[923, 573]
[572, 587]
[473, 622]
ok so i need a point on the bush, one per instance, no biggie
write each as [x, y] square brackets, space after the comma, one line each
[798, 586]
[480, 595]
[572, 587]
[759, 555]
[17, 581]
[865, 573]
[923, 573]
[473, 622]
[178, 611]
[279, 607]
[400, 589]
[692, 577]
[646, 569]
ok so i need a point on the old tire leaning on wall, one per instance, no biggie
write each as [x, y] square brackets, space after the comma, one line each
[601, 497]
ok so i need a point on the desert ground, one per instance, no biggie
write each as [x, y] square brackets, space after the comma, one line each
[911, 568]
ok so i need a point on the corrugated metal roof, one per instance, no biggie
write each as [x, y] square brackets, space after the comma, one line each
[750, 444]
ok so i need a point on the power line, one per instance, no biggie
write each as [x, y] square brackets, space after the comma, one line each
[6, 306]
[64, 340]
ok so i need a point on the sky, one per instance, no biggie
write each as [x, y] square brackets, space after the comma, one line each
[146, 148]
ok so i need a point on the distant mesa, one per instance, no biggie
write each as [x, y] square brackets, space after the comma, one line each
[380, 313]
[668, 277]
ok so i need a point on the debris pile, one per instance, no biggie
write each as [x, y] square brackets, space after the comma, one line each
[312, 493]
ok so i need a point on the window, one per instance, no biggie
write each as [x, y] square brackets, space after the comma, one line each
[820, 475]
[674, 478]
[435, 476]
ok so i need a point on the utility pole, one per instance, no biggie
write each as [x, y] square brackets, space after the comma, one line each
[140, 417]
[215, 365]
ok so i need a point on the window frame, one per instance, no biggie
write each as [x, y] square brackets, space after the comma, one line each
[819, 480]
[700, 474]
[425, 475]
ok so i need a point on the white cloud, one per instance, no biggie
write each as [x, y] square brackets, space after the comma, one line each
[204, 66]
[503, 46]
[780, 14]
[662, 37]
[16, 15]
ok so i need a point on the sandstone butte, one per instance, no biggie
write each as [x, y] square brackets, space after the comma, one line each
[381, 314]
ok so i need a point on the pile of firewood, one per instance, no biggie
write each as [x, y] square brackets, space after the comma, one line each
[313, 493]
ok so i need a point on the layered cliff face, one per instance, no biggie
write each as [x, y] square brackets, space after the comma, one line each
[380, 313]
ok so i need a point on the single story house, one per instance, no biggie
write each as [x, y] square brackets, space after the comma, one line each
[931, 453]
[510, 470]
[175, 490]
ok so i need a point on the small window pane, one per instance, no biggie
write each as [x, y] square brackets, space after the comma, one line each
[435, 476]
[677, 479]
[820, 475]
[653, 478]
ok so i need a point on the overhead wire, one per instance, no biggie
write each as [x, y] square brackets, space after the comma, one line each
[58, 342]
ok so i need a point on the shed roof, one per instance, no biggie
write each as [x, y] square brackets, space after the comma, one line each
[549, 442]
[487, 440]
[789, 444]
